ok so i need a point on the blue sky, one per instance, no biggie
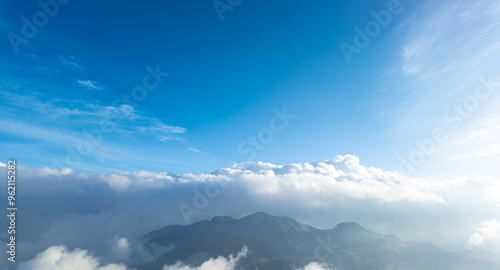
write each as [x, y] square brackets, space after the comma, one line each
[226, 78]
[158, 100]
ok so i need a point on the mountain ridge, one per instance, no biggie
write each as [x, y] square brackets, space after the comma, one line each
[284, 243]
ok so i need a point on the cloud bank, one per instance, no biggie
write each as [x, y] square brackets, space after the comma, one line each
[108, 214]
[314, 182]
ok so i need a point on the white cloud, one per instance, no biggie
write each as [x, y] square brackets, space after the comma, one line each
[117, 181]
[121, 250]
[171, 138]
[316, 266]
[123, 243]
[194, 150]
[156, 126]
[59, 258]
[3, 164]
[219, 263]
[91, 85]
[71, 62]
[319, 181]
[315, 183]
[123, 111]
[489, 231]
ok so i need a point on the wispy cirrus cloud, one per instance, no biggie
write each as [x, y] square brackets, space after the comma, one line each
[162, 128]
[442, 65]
[72, 63]
[194, 150]
[75, 65]
[90, 85]
[59, 126]
[84, 115]
[448, 50]
[171, 138]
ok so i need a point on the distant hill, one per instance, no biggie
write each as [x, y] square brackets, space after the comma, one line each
[283, 243]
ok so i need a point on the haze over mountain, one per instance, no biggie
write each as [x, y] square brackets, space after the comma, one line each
[271, 242]
[62, 208]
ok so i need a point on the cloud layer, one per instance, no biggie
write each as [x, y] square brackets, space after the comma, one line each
[64, 206]
[315, 182]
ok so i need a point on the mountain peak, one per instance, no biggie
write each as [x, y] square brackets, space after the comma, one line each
[259, 214]
[349, 226]
[257, 217]
[221, 219]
